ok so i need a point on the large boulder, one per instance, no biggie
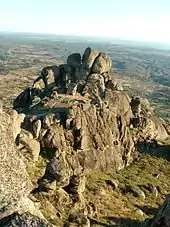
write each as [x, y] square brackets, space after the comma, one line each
[74, 60]
[23, 100]
[57, 174]
[54, 137]
[143, 117]
[36, 128]
[141, 106]
[81, 74]
[88, 58]
[58, 169]
[146, 107]
[66, 73]
[50, 74]
[102, 64]
[136, 106]
[65, 68]
[67, 76]
[136, 191]
[16, 120]
[31, 147]
[159, 130]
[150, 125]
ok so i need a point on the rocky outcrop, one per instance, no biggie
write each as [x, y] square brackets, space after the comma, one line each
[14, 180]
[88, 118]
[84, 121]
[15, 185]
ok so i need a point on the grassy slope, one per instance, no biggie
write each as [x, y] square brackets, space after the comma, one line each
[122, 207]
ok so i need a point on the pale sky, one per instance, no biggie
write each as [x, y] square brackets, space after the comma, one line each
[143, 20]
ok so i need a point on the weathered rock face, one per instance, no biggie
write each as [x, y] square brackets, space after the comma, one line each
[14, 181]
[16, 209]
[162, 218]
[99, 145]
[95, 86]
[89, 137]
[25, 219]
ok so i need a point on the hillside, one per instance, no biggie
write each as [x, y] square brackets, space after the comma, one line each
[94, 157]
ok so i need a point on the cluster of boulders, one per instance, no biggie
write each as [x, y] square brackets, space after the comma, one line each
[78, 76]
[80, 115]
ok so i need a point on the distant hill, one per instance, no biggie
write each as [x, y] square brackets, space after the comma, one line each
[77, 38]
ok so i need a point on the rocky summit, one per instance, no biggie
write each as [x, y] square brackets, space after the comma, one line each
[79, 118]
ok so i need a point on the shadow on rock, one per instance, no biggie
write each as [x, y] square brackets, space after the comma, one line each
[118, 221]
[148, 210]
[153, 148]
[94, 223]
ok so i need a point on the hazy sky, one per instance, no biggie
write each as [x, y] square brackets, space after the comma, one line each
[146, 20]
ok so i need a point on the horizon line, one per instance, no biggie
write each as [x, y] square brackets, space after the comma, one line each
[104, 38]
